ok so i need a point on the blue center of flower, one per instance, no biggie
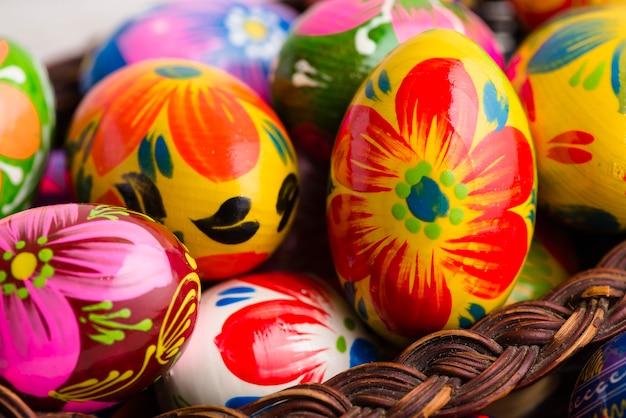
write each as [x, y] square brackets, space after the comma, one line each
[178, 72]
[426, 200]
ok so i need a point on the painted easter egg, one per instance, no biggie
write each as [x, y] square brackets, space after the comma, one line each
[263, 332]
[569, 76]
[195, 148]
[551, 260]
[335, 44]
[26, 126]
[97, 302]
[599, 390]
[533, 13]
[432, 189]
[241, 37]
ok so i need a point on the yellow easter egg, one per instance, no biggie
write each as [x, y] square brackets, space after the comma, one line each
[570, 77]
[433, 184]
[194, 148]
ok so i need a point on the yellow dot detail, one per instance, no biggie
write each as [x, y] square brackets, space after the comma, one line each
[23, 265]
[255, 29]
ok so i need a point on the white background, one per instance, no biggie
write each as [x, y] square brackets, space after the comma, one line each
[54, 30]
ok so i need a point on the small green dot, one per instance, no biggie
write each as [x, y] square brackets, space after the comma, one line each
[20, 244]
[22, 293]
[456, 216]
[413, 176]
[432, 231]
[461, 191]
[424, 168]
[42, 240]
[3, 275]
[349, 323]
[399, 211]
[341, 344]
[412, 225]
[82, 320]
[40, 281]
[7, 255]
[45, 255]
[403, 190]
[47, 271]
[447, 178]
[8, 288]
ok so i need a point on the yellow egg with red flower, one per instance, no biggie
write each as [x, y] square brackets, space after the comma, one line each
[194, 148]
[432, 189]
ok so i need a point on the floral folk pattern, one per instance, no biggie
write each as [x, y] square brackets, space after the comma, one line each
[417, 203]
[45, 266]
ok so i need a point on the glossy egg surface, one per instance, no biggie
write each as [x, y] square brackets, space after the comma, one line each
[433, 186]
[27, 124]
[241, 37]
[333, 46]
[97, 302]
[195, 148]
[533, 13]
[263, 332]
[599, 390]
[569, 76]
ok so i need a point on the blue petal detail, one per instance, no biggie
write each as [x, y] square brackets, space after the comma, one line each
[145, 160]
[230, 301]
[369, 91]
[236, 290]
[618, 75]
[163, 157]
[279, 141]
[239, 401]
[496, 108]
[570, 43]
[362, 351]
[383, 82]
[362, 309]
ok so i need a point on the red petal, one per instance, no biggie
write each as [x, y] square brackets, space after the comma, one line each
[129, 104]
[213, 132]
[263, 344]
[409, 301]
[573, 137]
[500, 171]
[441, 90]
[567, 155]
[528, 100]
[490, 259]
[366, 147]
[349, 222]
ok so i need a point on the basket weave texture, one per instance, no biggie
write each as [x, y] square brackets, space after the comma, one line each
[450, 373]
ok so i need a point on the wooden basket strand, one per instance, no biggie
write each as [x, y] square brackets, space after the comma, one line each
[449, 373]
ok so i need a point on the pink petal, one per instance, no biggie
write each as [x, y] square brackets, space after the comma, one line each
[108, 260]
[40, 341]
[331, 16]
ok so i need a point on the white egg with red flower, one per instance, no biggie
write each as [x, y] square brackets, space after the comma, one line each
[263, 332]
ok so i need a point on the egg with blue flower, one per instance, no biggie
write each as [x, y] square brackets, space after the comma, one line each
[241, 37]
[431, 204]
[260, 333]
